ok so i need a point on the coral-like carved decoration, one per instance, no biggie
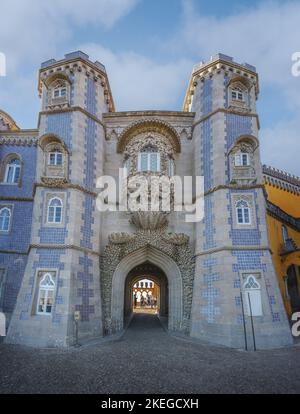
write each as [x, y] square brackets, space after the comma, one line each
[120, 238]
[176, 238]
[54, 181]
[149, 220]
[19, 141]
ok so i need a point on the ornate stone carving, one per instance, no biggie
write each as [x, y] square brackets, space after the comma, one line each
[150, 126]
[149, 220]
[120, 238]
[18, 140]
[54, 181]
[180, 253]
[176, 238]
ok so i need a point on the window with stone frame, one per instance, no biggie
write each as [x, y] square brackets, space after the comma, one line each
[59, 93]
[171, 167]
[5, 219]
[242, 162]
[11, 170]
[2, 286]
[55, 160]
[127, 165]
[243, 213]
[149, 159]
[238, 95]
[46, 293]
[55, 211]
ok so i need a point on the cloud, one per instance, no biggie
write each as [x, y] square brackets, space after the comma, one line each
[280, 146]
[34, 29]
[140, 83]
[266, 36]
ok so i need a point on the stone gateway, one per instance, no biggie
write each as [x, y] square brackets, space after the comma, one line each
[61, 257]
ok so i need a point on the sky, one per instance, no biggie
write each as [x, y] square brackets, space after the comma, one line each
[149, 48]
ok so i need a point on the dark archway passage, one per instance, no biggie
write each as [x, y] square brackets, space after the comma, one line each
[154, 274]
[293, 285]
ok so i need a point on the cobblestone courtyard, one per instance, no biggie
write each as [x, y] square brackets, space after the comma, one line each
[148, 360]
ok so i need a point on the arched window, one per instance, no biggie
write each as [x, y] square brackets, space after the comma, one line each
[46, 295]
[243, 212]
[55, 210]
[149, 159]
[285, 234]
[13, 171]
[5, 217]
[2, 286]
[127, 165]
[55, 158]
[171, 167]
[252, 292]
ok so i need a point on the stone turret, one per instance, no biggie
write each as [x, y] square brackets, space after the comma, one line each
[231, 242]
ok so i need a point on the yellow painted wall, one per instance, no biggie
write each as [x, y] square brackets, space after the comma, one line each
[290, 203]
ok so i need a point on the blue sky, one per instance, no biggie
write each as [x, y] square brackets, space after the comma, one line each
[149, 48]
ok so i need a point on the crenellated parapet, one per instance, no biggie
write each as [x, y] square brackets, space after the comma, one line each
[281, 179]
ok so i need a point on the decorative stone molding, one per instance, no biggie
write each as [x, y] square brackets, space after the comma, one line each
[7, 123]
[55, 182]
[176, 238]
[18, 140]
[149, 220]
[158, 239]
[120, 238]
[149, 126]
[276, 212]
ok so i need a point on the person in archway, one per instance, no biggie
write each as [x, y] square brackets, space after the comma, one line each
[135, 300]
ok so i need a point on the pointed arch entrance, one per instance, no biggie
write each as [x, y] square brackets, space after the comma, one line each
[146, 274]
[166, 265]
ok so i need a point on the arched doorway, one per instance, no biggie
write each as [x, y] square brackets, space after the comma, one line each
[166, 273]
[293, 287]
[149, 284]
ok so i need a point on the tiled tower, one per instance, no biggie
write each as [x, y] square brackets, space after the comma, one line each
[62, 272]
[232, 249]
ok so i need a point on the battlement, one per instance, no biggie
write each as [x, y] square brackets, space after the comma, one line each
[281, 179]
[73, 56]
[220, 57]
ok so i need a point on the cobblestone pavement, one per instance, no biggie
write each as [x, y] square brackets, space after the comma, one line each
[148, 360]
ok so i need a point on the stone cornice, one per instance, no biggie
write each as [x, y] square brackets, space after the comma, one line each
[8, 198]
[233, 248]
[51, 247]
[233, 187]
[64, 186]
[125, 114]
[14, 252]
[63, 247]
[71, 109]
[20, 138]
[229, 112]
[276, 212]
